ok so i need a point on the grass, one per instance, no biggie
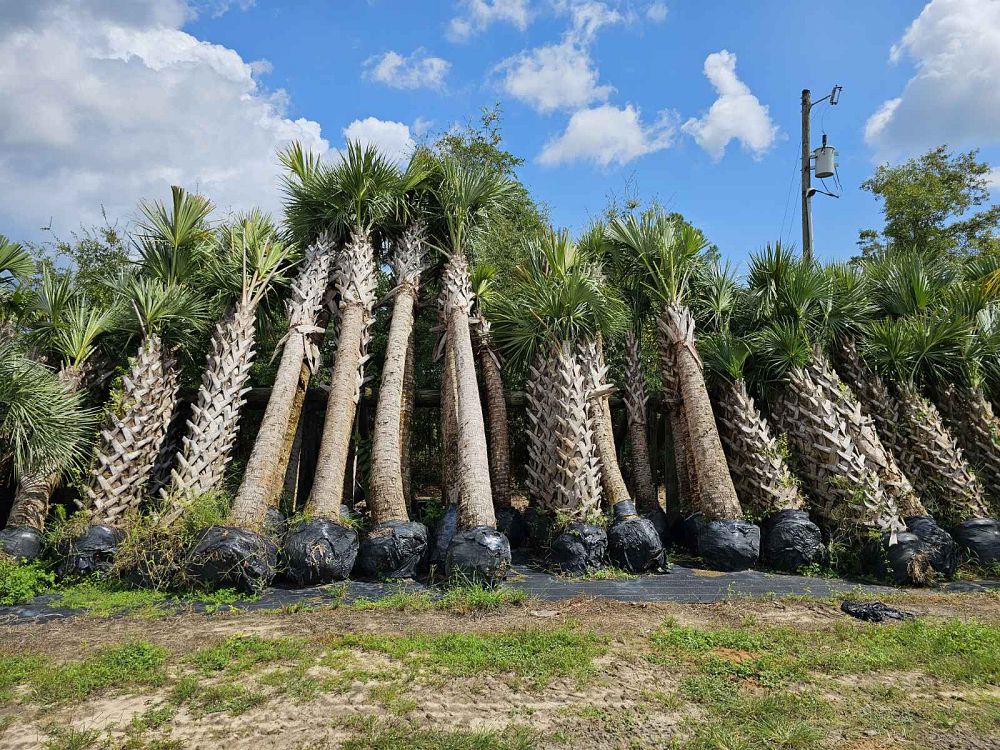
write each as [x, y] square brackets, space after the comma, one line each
[20, 583]
[201, 699]
[100, 598]
[609, 573]
[465, 598]
[240, 652]
[68, 738]
[135, 664]
[538, 655]
[375, 733]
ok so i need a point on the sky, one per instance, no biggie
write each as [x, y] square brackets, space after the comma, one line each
[693, 104]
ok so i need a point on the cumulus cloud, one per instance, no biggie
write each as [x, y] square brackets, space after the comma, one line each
[954, 96]
[608, 135]
[735, 115]
[479, 15]
[392, 138]
[993, 179]
[657, 12]
[107, 102]
[562, 75]
[419, 70]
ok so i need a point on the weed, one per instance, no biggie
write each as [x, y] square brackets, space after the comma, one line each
[402, 600]
[239, 652]
[20, 582]
[202, 700]
[609, 573]
[474, 597]
[68, 738]
[132, 664]
[374, 733]
[15, 669]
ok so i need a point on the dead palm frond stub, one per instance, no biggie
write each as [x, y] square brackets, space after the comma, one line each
[670, 254]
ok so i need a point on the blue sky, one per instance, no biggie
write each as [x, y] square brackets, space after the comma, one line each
[600, 98]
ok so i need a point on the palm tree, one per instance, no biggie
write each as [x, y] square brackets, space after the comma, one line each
[549, 323]
[466, 196]
[251, 260]
[16, 265]
[67, 326]
[669, 256]
[835, 445]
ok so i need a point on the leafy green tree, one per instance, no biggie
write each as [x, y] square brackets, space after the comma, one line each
[929, 204]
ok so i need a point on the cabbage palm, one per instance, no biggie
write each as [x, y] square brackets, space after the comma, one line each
[16, 265]
[668, 256]
[466, 196]
[67, 327]
[165, 305]
[250, 260]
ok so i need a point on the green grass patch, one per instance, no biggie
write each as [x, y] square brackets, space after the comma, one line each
[240, 652]
[135, 664]
[474, 597]
[403, 601]
[374, 733]
[610, 573]
[108, 598]
[67, 738]
[201, 699]
[538, 655]
[16, 669]
[20, 582]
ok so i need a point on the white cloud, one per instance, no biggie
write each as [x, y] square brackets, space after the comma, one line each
[392, 138]
[421, 126]
[657, 12]
[993, 178]
[562, 76]
[735, 115]
[105, 103]
[954, 96]
[553, 77]
[479, 15]
[608, 135]
[416, 71]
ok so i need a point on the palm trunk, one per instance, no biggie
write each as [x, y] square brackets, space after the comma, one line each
[406, 425]
[716, 495]
[759, 470]
[862, 431]
[635, 407]
[387, 488]
[969, 415]
[936, 462]
[356, 287]
[496, 409]
[31, 503]
[564, 470]
[476, 508]
[266, 466]
[843, 489]
[449, 429]
[612, 482]
[215, 416]
[683, 469]
[128, 446]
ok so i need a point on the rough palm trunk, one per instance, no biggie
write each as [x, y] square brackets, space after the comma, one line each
[265, 468]
[356, 288]
[31, 503]
[496, 409]
[388, 491]
[476, 508]
[406, 426]
[969, 415]
[564, 469]
[936, 462]
[862, 431]
[612, 483]
[449, 429]
[844, 490]
[912, 427]
[215, 415]
[683, 469]
[636, 401]
[759, 470]
[715, 493]
[127, 448]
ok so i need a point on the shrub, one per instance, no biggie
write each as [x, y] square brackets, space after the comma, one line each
[22, 582]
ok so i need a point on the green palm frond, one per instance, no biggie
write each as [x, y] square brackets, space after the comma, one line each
[466, 196]
[172, 241]
[171, 310]
[16, 264]
[301, 164]
[481, 278]
[251, 257]
[80, 326]
[779, 347]
[718, 298]
[724, 355]
[43, 427]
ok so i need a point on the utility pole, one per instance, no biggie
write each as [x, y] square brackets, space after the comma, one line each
[807, 234]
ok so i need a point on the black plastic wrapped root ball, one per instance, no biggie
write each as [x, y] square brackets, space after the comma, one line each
[394, 549]
[980, 537]
[690, 528]
[21, 543]
[511, 523]
[942, 549]
[661, 523]
[478, 555]
[633, 544]
[790, 541]
[729, 544]
[580, 549]
[446, 527]
[228, 557]
[275, 524]
[318, 551]
[91, 552]
[538, 526]
[908, 561]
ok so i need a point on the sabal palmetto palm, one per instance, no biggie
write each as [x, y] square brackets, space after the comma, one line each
[669, 255]
[165, 305]
[549, 323]
[66, 328]
[248, 261]
[16, 265]
[465, 197]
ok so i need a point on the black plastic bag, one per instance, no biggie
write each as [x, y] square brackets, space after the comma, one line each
[478, 555]
[633, 544]
[22, 543]
[873, 611]
[319, 551]
[91, 552]
[729, 545]
[981, 537]
[580, 549]
[790, 541]
[229, 557]
[394, 549]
